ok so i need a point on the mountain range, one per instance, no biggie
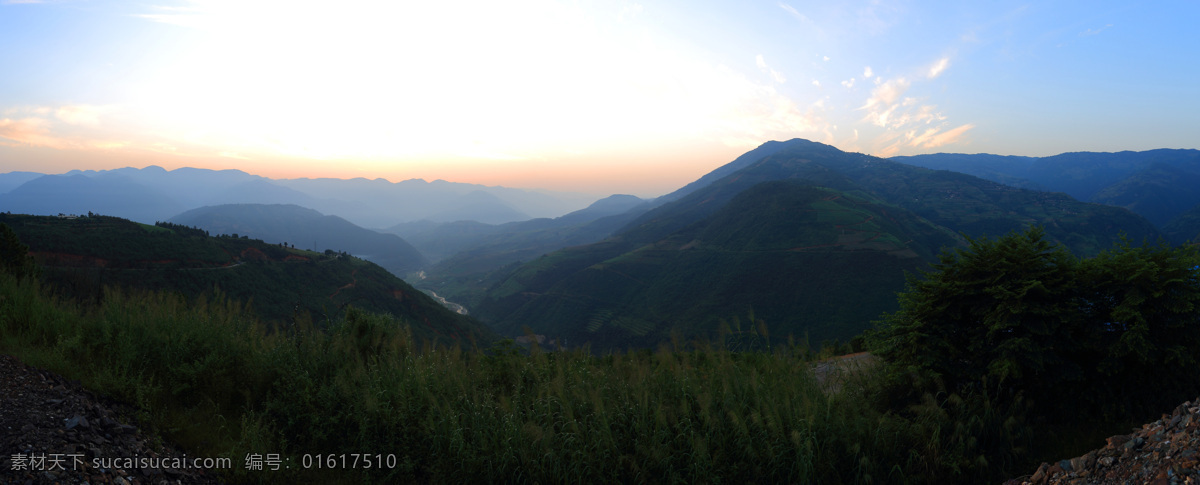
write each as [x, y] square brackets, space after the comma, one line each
[795, 238]
[154, 194]
[1159, 184]
[801, 238]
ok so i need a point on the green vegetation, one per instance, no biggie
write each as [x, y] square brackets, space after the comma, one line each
[291, 225]
[83, 256]
[209, 375]
[811, 261]
[1022, 326]
[1185, 228]
[211, 378]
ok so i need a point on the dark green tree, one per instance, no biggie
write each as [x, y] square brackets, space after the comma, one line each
[14, 255]
[1001, 313]
[1143, 305]
[1020, 316]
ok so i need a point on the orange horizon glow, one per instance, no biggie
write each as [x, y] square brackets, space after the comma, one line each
[647, 175]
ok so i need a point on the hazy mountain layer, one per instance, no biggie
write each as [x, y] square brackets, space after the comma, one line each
[306, 228]
[153, 194]
[1157, 184]
[476, 254]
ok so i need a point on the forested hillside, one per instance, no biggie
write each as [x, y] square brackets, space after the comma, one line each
[82, 256]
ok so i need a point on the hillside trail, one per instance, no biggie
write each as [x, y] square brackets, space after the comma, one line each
[353, 282]
[832, 372]
[53, 431]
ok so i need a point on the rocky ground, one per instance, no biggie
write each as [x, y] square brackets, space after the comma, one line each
[1164, 452]
[52, 431]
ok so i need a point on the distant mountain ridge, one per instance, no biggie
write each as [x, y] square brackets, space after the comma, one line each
[308, 229]
[154, 194]
[1157, 184]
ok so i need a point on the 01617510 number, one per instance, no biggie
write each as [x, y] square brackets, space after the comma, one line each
[348, 460]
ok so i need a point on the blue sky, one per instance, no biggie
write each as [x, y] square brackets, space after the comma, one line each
[606, 96]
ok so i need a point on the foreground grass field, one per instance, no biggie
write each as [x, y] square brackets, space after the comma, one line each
[209, 377]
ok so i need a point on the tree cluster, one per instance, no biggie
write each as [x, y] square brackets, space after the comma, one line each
[1022, 318]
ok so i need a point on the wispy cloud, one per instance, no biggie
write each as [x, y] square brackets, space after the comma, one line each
[849, 83]
[1090, 32]
[935, 137]
[762, 65]
[79, 114]
[886, 94]
[196, 15]
[42, 126]
[867, 72]
[26, 131]
[939, 67]
[794, 13]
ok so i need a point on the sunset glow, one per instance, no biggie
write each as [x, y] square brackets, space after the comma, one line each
[601, 97]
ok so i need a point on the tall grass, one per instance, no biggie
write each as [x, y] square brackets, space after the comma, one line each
[211, 378]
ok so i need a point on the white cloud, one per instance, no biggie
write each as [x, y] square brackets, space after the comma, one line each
[762, 65]
[886, 94]
[79, 115]
[867, 72]
[826, 59]
[938, 67]
[849, 83]
[816, 83]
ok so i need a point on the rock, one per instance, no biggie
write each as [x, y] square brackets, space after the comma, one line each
[44, 414]
[1039, 477]
[78, 421]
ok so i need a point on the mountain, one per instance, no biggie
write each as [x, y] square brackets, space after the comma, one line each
[1185, 227]
[805, 260]
[306, 228]
[82, 256]
[1160, 193]
[12, 180]
[479, 206]
[608, 206]
[440, 240]
[152, 194]
[80, 194]
[807, 238]
[379, 203]
[1140, 181]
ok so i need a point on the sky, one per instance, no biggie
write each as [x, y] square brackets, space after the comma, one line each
[610, 96]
